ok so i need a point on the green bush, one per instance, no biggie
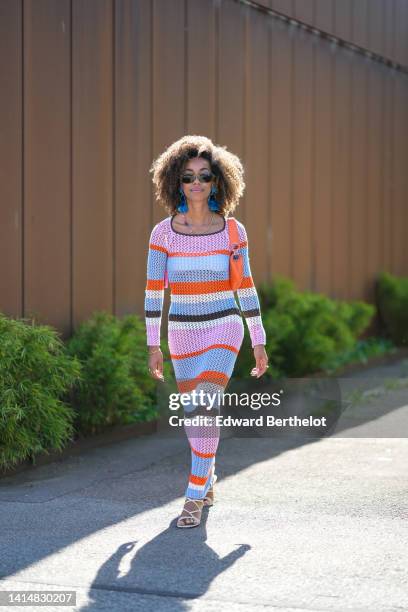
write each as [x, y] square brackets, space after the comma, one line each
[304, 331]
[392, 304]
[361, 353]
[34, 373]
[116, 387]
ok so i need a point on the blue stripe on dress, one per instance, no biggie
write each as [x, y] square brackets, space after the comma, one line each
[221, 360]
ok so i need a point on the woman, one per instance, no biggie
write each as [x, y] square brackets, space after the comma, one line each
[199, 185]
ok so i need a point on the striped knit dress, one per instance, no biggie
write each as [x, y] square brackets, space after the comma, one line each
[205, 327]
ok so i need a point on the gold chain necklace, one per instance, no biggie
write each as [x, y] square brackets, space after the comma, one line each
[192, 227]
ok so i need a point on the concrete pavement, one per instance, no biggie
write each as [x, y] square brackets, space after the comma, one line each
[312, 524]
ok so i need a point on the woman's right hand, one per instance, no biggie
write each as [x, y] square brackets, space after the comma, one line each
[156, 364]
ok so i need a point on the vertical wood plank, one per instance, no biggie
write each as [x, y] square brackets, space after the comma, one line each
[287, 7]
[375, 145]
[47, 193]
[389, 28]
[343, 18]
[11, 161]
[324, 180]
[92, 144]
[376, 22]
[230, 84]
[360, 23]
[169, 83]
[324, 15]
[404, 83]
[399, 258]
[304, 10]
[341, 262]
[201, 68]
[359, 181]
[256, 159]
[388, 161]
[302, 160]
[401, 27]
[281, 142]
[266, 3]
[133, 152]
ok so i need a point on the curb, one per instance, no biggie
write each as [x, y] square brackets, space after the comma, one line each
[117, 433]
[396, 355]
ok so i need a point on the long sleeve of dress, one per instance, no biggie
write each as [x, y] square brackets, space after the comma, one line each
[154, 291]
[248, 296]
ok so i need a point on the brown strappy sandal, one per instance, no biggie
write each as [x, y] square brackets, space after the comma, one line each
[209, 498]
[194, 521]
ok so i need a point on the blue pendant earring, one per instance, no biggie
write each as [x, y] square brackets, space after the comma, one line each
[212, 202]
[182, 206]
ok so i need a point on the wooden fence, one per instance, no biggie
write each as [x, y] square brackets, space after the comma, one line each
[93, 91]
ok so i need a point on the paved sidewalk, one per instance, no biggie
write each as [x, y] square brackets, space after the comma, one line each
[318, 524]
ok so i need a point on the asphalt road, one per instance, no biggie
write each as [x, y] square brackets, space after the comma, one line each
[298, 524]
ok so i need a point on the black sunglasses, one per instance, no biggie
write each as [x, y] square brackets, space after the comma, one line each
[203, 177]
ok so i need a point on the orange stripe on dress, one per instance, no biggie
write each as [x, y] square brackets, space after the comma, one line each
[203, 455]
[198, 480]
[185, 254]
[157, 247]
[197, 288]
[155, 284]
[193, 288]
[208, 375]
[200, 352]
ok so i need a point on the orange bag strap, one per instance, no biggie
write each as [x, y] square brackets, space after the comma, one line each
[166, 276]
[233, 233]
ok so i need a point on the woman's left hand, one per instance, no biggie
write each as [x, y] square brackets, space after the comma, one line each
[261, 359]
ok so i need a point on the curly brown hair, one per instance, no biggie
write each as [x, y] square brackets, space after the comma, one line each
[227, 168]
